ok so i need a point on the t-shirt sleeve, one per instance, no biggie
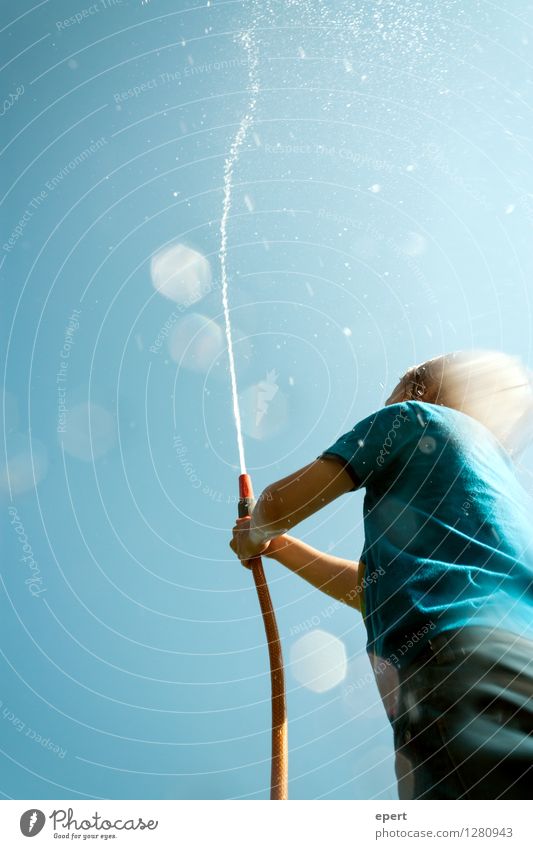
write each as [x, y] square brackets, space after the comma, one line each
[374, 445]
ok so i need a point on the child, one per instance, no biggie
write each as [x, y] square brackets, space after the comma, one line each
[448, 604]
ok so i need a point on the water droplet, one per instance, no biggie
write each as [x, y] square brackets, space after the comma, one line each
[427, 445]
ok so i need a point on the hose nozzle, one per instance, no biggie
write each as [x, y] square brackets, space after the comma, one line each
[246, 496]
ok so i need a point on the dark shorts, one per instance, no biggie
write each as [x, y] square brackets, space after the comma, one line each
[464, 722]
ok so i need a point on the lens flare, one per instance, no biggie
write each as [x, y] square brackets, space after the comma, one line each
[318, 661]
[181, 274]
[89, 432]
[196, 341]
[25, 466]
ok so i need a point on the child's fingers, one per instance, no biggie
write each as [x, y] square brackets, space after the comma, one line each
[234, 543]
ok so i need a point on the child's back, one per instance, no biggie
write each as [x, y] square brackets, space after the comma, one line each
[447, 521]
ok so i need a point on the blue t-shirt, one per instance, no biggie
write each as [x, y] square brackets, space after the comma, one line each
[448, 527]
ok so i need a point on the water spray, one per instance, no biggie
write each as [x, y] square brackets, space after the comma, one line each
[279, 768]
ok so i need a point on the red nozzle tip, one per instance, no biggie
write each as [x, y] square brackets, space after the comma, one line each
[245, 486]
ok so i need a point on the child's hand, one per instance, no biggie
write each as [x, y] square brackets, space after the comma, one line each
[243, 543]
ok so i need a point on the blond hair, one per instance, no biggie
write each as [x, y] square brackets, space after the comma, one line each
[492, 387]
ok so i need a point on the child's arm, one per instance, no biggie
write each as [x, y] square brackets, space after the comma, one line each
[338, 578]
[289, 501]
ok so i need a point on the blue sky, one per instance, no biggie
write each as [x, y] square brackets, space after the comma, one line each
[382, 214]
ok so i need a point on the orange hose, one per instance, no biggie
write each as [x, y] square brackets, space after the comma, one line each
[279, 771]
[279, 778]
